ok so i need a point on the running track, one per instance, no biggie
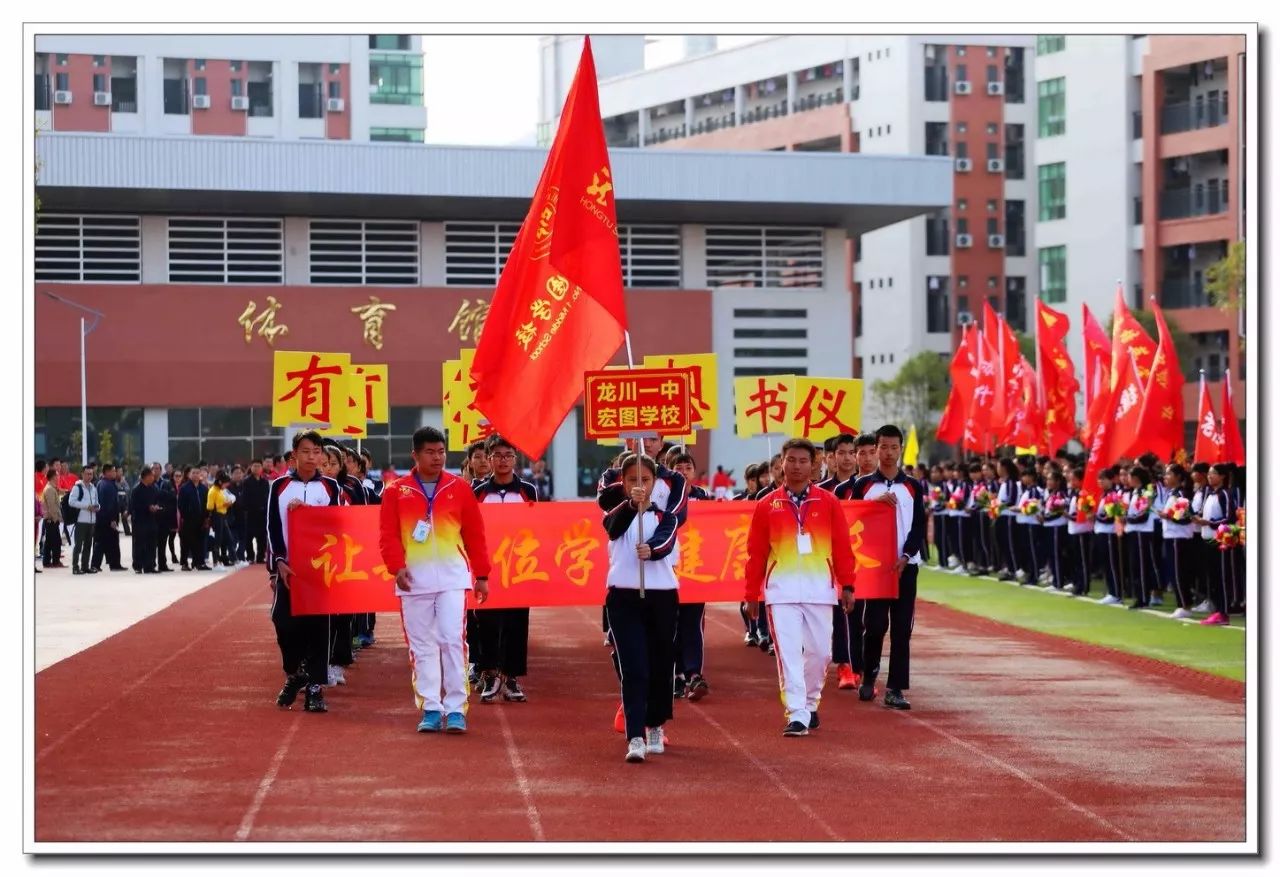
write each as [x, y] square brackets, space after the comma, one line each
[168, 731]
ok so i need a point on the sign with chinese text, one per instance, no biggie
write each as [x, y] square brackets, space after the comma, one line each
[621, 402]
[826, 407]
[464, 423]
[309, 388]
[556, 554]
[763, 405]
[704, 394]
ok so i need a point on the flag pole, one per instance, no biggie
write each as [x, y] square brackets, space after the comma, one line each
[631, 363]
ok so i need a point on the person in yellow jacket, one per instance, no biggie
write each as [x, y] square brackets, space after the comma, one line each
[219, 505]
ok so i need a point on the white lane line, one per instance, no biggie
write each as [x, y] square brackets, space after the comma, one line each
[268, 780]
[1025, 777]
[144, 679]
[522, 781]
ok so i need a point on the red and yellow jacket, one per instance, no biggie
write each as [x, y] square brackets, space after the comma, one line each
[454, 550]
[775, 566]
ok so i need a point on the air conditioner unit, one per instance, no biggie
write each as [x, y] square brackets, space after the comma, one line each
[995, 88]
[240, 102]
[102, 98]
[964, 86]
[964, 165]
[62, 97]
[964, 241]
[963, 318]
[200, 101]
[995, 165]
[995, 241]
[334, 105]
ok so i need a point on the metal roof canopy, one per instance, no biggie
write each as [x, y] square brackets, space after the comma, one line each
[241, 176]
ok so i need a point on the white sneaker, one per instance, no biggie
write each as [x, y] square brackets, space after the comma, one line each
[654, 742]
[335, 675]
[1157, 601]
[1180, 613]
[1070, 589]
[1109, 600]
[1203, 607]
[953, 561]
[1020, 577]
[635, 749]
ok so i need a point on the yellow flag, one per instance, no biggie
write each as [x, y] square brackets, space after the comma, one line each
[1021, 451]
[826, 407]
[911, 453]
[704, 391]
[763, 405]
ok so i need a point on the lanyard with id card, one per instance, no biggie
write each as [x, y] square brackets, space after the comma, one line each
[422, 531]
[804, 541]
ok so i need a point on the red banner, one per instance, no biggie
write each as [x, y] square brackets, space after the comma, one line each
[637, 400]
[556, 554]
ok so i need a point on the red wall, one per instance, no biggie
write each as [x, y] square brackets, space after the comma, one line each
[219, 118]
[337, 126]
[173, 345]
[80, 114]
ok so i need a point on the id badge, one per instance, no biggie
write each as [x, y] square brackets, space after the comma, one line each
[422, 531]
[804, 544]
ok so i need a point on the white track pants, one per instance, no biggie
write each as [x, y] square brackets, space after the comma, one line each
[802, 641]
[434, 625]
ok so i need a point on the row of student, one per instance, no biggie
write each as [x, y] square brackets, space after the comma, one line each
[1152, 530]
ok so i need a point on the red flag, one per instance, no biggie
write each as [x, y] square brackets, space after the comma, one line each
[1128, 335]
[1026, 422]
[1208, 433]
[1160, 428]
[977, 425]
[558, 310]
[1097, 371]
[1057, 375]
[1008, 378]
[1125, 410]
[1232, 445]
[951, 426]
[1099, 443]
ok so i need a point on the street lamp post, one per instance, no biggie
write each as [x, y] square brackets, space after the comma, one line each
[84, 397]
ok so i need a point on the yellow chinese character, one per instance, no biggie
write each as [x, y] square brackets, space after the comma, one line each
[607, 392]
[521, 551]
[371, 315]
[607, 418]
[736, 556]
[577, 543]
[263, 322]
[557, 287]
[649, 415]
[861, 561]
[627, 416]
[670, 389]
[690, 540]
[541, 309]
[600, 188]
[326, 562]
[525, 334]
[381, 571]
[670, 415]
[469, 320]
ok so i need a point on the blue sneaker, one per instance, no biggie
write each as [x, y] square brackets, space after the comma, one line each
[430, 721]
[455, 723]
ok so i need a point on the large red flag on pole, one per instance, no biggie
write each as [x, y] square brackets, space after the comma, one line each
[952, 425]
[1208, 434]
[1128, 336]
[1097, 369]
[1160, 428]
[1057, 376]
[1232, 445]
[558, 310]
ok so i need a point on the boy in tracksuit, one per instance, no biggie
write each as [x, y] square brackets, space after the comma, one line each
[1027, 527]
[432, 540]
[690, 616]
[1054, 522]
[303, 639]
[800, 563]
[1079, 535]
[1105, 527]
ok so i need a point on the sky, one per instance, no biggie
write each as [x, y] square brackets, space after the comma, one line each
[484, 89]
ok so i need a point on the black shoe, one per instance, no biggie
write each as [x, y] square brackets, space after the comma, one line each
[75, 571]
[679, 690]
[149, 572]
[205, 568]
[186, 567]
[38, 570]
[315, 700]
[117, 568]
[292, 685]
[814, 722]
[765, 643]
[698, 689]
[91, 571]
[795, 729]
[867, 691]
[1136, 605]
[894, 700]
[165, 568]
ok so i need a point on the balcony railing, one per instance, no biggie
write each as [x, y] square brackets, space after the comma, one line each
[1179, 117]
[1014, 166]
[1183, 292]
[1186, 202]
[1137, 124]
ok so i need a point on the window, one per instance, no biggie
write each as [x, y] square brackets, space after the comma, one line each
[962, 281]
[397, 135]
[335, 69]
[177, 88]
[310, 92]
[395, 79]
[1014, 77]
[991, 51]
[200, 63]
[993, 226]
[1015, 302]
[962, 71]
[237, 88]
[1053, 191]
[392, 42]
[1014, 151]
[475, 252]
[1053, 107]
[261, 98]
[938, 304]
[335, 88]
[935, 74]
[962, 149]
[993, 151]
[991, 205]
[992, 281]
[752, 256]
[993, 128]
[364, 251]
[63, 81]
[99, 82]
[99, 60]
[103, 248]
[55, 429]
[124, 84]
[1015, 228]
[962, 127]
[235, 66]
[222, 436]
[226, 250]
[60, 60]
[1053, 274]
[962, 205]
[935, 138]
[202, 85]
[650, 256]
[937, 239]
[771, 333]
[993, 73]
[1047, 45]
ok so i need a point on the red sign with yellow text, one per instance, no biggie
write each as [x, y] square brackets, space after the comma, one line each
[657, 401]
[556, 554]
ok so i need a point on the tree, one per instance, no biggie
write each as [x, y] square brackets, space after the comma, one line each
[106, 446]
[1182, 342]
[915, 395]
[1224, 281]
[1027, 345]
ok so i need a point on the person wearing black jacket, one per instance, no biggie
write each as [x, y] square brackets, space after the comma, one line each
[253, 496]
[106, 535]
[167, 523]
[236, 516]
[191, 514]
[144, 502]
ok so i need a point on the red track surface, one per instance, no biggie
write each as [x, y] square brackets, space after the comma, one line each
[169, 732]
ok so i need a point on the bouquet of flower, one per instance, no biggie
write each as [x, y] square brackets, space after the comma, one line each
[983, 498]
[1141, 503]
[957, 499]
[1029, 507]
[1178, 510]
[1229, 536]
[1240, 524]
[937, 498]
[1055, 506]
[1085, 507]
[1113, 505]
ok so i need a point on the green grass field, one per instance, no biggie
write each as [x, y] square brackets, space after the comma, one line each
[1214, 650]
